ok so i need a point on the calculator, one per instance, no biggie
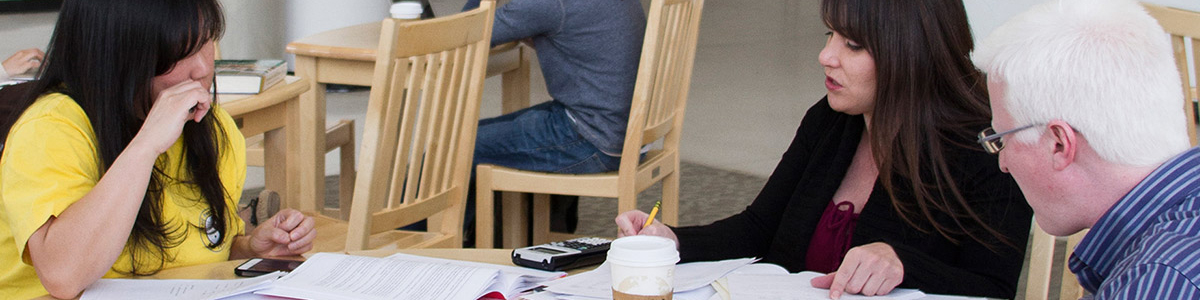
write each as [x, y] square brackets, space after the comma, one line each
[564, 255]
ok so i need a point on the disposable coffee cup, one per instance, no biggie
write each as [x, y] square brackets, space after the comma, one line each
[408, 10]
[643, 267]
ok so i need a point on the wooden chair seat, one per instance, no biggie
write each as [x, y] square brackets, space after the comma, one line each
[588, 185]
[331, 237]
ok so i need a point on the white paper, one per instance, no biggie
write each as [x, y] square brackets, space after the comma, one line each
[688, 277]
[511, 281]
[178, 288]
[795, 286]
[337, 276]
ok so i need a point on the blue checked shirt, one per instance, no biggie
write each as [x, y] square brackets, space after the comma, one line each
[1147, 246]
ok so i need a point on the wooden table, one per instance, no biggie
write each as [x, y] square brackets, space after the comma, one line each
[347, 56]
[268, 113]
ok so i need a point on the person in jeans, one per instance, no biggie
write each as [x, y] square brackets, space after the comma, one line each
[1087, 119]
[588, 51]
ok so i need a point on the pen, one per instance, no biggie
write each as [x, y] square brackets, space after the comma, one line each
[652, 213]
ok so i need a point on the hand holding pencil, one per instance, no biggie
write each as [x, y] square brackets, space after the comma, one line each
[636, 222]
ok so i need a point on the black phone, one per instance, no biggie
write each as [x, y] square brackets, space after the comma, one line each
[262, 266]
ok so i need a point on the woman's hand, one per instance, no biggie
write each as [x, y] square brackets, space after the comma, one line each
[871, 269]
[23, 61]
[630, 223]
[287, 233]
[188, 100]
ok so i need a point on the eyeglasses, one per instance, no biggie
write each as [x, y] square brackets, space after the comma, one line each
[990, 139]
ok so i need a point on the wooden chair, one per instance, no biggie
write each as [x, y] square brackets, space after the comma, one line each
[660, 94]
[338, 136]
[1045, 275]
[1184, 28]
[419, 137]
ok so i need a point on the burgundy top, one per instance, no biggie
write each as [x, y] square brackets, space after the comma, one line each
[831, 239]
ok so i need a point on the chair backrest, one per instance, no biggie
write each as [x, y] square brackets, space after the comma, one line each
[1184, 28]
[420, 126]
[1047, 271]
[664, 75]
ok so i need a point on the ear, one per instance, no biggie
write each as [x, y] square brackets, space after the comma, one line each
[1065, 141]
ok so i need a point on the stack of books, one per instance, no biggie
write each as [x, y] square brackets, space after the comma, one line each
[247, 76]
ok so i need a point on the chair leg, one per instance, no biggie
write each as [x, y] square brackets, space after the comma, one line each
[541, 219]
[346, 178]
[341, 136]
[670, 199]
[515, 212]
[626, 200]
[484, 208]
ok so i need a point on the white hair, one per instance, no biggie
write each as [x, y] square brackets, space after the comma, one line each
[1103, 66]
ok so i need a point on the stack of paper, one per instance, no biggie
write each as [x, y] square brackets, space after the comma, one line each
[692, 281]
[337, 276]
[512, 279]
[178, 289]
[753, 285]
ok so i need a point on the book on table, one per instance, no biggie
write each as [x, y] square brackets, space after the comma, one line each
[248, 76]
[338, 276]
[402, 276]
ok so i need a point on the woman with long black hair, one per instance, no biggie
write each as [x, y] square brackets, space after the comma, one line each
[883, 185]
[120, 163]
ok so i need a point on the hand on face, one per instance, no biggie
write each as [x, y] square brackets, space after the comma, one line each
[630, 223]
[871, 269]
[287, 233]
[188, 100]
[23, 61]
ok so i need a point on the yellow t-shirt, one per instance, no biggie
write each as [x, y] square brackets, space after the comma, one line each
[50, 160]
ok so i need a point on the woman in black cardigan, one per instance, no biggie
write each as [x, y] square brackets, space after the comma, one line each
[883, 185]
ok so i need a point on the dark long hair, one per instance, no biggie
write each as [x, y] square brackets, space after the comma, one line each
[104, 55]
[928, 97]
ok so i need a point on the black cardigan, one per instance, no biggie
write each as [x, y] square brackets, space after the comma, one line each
[779, 224]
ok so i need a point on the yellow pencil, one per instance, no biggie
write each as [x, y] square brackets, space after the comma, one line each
[652, 213]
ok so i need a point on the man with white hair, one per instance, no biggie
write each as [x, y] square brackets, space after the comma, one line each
[1086, 108]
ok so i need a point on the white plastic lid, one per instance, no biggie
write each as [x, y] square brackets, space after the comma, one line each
[643, 250]
[406, 10]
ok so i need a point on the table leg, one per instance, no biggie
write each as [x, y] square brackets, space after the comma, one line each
[309, 166]
[275, 163]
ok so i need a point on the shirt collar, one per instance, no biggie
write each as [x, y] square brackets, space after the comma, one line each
[1125, 221]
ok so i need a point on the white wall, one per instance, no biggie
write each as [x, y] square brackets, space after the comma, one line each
[23, 31]
[986, 15]
[253, 29]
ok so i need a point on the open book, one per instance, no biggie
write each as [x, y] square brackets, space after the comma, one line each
[770, 281]
[337, 276]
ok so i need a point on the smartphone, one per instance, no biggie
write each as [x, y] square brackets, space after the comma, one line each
[262, 266]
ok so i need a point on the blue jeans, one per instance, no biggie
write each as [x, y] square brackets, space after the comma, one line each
[539, 138]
